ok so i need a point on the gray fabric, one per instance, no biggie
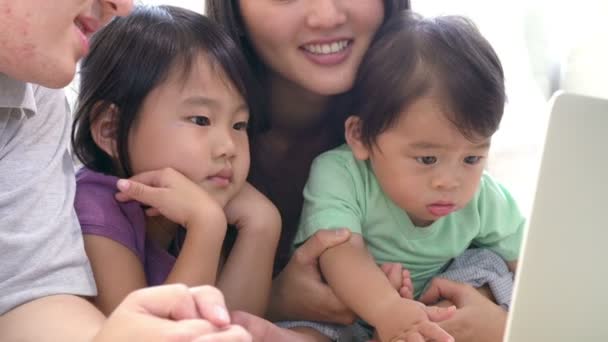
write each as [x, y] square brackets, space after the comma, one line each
[330, 330]
[40, 239]
[336, 332]
[477, 267]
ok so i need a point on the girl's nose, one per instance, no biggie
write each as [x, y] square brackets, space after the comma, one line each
[224, 146]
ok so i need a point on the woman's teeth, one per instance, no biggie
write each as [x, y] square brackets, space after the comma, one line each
[325, 49]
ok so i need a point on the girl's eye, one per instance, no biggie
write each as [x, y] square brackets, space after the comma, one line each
[200, 120]
[427, 160]
[241, 126]
[472, 160]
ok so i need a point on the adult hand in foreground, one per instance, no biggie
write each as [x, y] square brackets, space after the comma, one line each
[172, 313]
[299, 293]
[477, 319]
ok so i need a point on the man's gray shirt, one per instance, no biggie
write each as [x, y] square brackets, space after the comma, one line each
[41, 246]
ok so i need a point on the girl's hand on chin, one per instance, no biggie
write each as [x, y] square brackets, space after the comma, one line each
[173, 195]
[251, 212]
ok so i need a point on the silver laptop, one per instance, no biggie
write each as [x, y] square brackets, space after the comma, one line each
[561, 289]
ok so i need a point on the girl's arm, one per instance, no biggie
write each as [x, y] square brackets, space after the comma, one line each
[116, 269]
[246, 276]
[174, 196]
[199, 256]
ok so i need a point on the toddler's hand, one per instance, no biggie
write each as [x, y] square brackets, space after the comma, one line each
[173, 195]
[400, 279]
[407, 320]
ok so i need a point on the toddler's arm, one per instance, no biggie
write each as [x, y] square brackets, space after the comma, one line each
[353, 274]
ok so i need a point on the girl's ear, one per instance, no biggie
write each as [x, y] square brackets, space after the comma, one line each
[352, 133]
[104, 130]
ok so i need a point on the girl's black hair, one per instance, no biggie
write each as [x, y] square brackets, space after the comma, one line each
[134, 54]
[414, 56]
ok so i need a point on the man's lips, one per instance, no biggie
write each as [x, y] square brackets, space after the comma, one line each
[87, 25]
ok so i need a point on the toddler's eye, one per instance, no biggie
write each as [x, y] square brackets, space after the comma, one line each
[241, 126]
[472, 160]
[200, 120]
[427, 160]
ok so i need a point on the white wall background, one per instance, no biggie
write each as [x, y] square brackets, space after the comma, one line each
[195, 5]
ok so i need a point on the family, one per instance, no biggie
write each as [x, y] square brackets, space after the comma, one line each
[301, 170]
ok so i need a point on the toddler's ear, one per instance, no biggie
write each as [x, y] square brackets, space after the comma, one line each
[104, 129]
[352, 133]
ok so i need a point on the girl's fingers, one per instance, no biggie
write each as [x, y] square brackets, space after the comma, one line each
[155, 178]
[152, 212]
[131, 190]
[144, 186]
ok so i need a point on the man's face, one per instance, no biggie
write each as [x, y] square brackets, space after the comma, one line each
[41, 41]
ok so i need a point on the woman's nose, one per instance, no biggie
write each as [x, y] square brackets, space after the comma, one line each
[326, 14]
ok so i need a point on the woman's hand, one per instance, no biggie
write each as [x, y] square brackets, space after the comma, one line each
[173, 195]
[299, 293]
[172, 313]
[476, 318]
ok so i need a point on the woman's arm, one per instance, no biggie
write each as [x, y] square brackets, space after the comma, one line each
[246, 276]
[299, 293]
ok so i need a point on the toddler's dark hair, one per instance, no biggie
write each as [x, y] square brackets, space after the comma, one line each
[413, 56]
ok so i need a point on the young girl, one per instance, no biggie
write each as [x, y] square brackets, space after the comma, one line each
[164, 107]
[410, 182]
